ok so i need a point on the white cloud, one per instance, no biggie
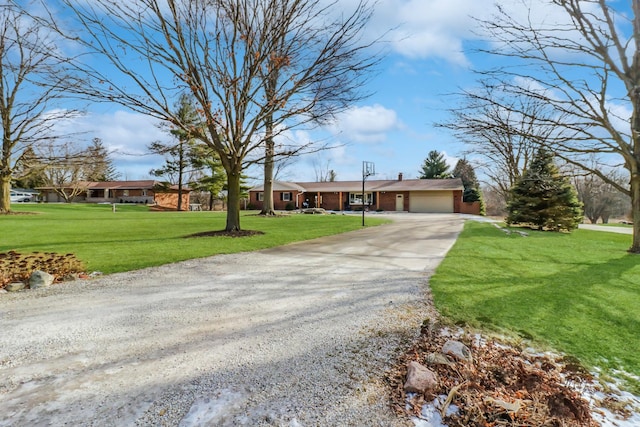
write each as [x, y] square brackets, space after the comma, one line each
[366, 124]
[419, 29]
[126, 135]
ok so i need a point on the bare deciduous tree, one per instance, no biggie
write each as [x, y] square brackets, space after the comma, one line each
[217, 51]
[599, 198]
[500, 131]
[581, 60]
[323, 171]
[316, 70]
[66, 168]
[33, 81]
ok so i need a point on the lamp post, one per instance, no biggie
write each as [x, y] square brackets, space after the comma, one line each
[368, 169]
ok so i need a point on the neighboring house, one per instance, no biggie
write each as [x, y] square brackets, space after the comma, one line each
[410, 195]
[148, 192]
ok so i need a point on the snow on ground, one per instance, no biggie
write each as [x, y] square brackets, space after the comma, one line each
[208, 410]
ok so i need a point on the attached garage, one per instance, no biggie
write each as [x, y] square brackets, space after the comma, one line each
[431, 201]
[414, 195]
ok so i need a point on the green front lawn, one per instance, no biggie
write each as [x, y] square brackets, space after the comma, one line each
[134, 237]
[577, 293]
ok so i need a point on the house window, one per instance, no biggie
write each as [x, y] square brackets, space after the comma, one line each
[260, 197]
[356, 198]
[144, 191]
[125, 193]
[286, 197]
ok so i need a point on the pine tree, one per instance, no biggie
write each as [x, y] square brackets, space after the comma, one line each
[177, 154]
[544, 198]
[434, 166]
[208, 175]
[467, 174]
[465, 171]
[99, 165]
[28, 172]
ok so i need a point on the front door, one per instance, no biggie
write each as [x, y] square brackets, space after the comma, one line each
[399, 202]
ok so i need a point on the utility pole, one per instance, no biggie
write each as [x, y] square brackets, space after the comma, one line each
[368, 169]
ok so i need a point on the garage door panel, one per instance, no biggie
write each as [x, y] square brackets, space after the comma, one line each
[431, 202]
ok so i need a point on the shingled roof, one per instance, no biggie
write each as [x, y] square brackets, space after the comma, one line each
[372, 185]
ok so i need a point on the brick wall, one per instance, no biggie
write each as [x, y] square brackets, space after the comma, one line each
[472, 208]
[387, 200]
[170, 200]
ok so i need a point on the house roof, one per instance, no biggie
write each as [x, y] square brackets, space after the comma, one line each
[372, 185]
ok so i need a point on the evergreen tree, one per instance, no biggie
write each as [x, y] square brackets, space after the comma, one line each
[434, 166]
[208, 175]
[29, 170]
[544, 198]
[465, 171]
[177, 155]
[99, 165]
[467, 174]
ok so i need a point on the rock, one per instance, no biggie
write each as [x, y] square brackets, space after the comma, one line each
[40, 279]
[420, 379]
[15, 286]
[457, 350]
[437, 359]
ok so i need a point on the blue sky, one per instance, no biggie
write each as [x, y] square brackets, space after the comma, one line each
[428, 57]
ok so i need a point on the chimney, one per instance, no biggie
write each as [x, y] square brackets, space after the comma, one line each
[400, 176]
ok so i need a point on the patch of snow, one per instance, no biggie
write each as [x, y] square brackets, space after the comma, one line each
[604, 415]
[430, 413]
[211, 410]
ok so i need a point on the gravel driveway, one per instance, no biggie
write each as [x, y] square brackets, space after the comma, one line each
[299, 335]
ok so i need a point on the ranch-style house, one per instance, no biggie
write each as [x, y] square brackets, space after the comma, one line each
[148, 192]
[403, 195]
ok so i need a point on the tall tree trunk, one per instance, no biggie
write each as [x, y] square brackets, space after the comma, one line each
[233, 200]
[635, 211]
[271, 81]
[5, 192]
[180, 172]
[633, 164]
[268, 207]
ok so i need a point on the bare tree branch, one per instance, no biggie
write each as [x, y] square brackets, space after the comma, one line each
[34, 79]
[217, 50]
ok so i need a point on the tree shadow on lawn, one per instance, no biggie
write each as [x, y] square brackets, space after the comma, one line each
[580, 310]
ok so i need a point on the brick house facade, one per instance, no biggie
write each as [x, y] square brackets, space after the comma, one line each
[410, 195]
[149, 192]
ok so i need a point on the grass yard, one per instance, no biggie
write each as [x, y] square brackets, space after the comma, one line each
[577, 293]
[134, 237]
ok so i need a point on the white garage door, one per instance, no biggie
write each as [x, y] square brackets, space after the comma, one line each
[431, 201]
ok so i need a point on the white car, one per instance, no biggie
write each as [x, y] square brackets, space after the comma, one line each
[18, 197]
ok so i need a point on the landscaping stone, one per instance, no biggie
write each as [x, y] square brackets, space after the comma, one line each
[437, 359]
[457, 350]
[420, 379]
[40, 279]
[15, 286]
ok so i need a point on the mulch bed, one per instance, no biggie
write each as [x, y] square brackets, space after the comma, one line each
[225, 233]
[501, 386]
[19, 213]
